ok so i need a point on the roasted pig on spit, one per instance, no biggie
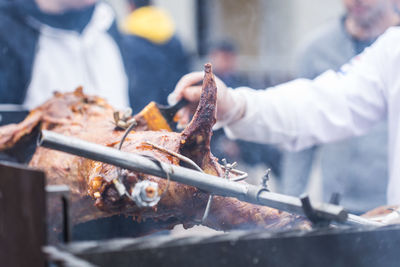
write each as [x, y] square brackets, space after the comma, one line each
[94, 194]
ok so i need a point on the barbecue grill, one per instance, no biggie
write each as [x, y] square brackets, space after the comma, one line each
[324, 245]
[363, 246]
[337, 238]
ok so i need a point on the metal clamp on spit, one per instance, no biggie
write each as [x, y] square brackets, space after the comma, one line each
[144, 193]
[228, 168]
[311, 214]
[254, 192]
[208, 183]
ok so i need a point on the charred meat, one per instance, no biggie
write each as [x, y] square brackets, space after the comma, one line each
[94, 194]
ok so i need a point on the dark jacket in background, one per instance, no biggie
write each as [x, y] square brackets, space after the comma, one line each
[152, 68]
[17, 52]
[157, 58]
[19, 36]
[155, 70]
[18, 48]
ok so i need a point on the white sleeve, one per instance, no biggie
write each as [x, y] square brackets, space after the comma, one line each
[331, 107]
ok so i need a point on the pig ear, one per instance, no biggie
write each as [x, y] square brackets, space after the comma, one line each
[196, 137]
[53, 111]
[12, 133]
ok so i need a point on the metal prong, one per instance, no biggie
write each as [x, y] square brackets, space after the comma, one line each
[179, 156]
[120, 187]
[265, 179]
[241, 174]
[207, 210]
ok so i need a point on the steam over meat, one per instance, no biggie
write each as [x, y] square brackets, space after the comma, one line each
[93, 193]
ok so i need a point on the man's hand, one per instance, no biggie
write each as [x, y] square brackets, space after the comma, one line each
[229, 107]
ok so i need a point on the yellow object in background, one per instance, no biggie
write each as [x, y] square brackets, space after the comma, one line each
[151, 23]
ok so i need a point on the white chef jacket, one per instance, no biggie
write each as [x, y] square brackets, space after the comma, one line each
[331, 107]
[66, 59]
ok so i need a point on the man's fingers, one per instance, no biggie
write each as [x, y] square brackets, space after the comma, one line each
[192, 94]
[185, 82]
[188, 80]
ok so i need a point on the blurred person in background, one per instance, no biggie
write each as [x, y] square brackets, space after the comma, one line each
[223, 56]
[303, 112]
[49, 45]
[355, 168]
[157, 58]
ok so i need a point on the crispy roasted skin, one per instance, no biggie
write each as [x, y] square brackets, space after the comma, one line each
[93, 193]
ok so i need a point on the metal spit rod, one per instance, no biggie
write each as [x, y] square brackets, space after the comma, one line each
[212, 184]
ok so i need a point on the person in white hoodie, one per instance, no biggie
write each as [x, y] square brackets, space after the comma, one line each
[350, 167]
[58, 45]
[303, 112]
[48, 45]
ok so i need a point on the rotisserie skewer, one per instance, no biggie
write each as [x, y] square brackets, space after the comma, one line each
[93, 192]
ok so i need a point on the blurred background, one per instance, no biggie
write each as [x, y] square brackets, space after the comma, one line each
[252, 43]
[267, 34]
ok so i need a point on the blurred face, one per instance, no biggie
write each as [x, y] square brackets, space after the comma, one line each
[365, 11]
[223, 61]
[60, 6]
[76, 4]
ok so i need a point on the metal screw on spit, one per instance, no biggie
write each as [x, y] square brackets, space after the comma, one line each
[265, 179]
[228, 167]
[122, 119]
[145, 194]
